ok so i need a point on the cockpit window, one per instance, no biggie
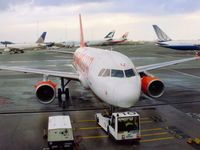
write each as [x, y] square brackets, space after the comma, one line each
[117, 73]
[106, 73]
[129, 73]
[101, 72]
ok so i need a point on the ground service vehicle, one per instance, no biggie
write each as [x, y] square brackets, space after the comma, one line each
[60, 133]
[121, 125]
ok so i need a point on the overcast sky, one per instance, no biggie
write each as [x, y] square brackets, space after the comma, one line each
[25, 20]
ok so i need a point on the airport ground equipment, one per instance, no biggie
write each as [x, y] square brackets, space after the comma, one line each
[193, 141]
[60, 132]
[121, 126]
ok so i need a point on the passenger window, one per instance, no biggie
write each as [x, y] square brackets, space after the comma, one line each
[129, 73]
[117, 73]
[106, 73]
[101, 72]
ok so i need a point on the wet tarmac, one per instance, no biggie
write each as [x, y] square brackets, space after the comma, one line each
[23, 118]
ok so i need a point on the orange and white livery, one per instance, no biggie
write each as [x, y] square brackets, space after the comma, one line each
[110, 75]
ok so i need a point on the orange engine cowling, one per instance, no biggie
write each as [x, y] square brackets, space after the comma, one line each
[152, 86]
[45, 92]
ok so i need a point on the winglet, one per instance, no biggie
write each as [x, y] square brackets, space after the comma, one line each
[82, 43]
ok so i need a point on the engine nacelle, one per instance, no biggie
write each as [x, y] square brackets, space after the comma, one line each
[45, 92]
[152, 86]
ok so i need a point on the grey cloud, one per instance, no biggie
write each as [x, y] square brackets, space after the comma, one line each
[147, 7]
[152, 7]
[64, 2]
[5, 4]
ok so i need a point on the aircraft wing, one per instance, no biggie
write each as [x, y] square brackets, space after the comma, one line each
[164, 64]
[68, 75]
[64, 52]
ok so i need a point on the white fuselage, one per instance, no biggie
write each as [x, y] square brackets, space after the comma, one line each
[109, 87]
[10, 47]
[98, 42]
[181, 45]
[183, 42]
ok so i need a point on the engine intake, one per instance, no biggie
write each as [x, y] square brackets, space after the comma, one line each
[152, 86]
[45, 92]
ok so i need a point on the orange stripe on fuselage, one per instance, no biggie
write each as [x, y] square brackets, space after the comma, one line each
[83, 61]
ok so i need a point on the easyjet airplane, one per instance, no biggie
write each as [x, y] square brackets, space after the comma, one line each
[110, 75]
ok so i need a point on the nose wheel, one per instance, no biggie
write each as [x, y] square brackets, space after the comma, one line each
[63, 93]
[108, 112]
[112, 109]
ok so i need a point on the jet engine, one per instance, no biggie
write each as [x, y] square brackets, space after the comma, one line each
[45, 92]
[152, 86]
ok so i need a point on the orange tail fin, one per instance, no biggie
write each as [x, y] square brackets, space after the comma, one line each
[82, 43]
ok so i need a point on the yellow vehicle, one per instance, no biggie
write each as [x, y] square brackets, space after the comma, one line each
[195, 140]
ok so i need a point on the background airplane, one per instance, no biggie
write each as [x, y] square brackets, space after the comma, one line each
[120, 40]
[105, 41]
[19, 48]
[110, 75]
[167, 42]
[6, 42]
[68, 44]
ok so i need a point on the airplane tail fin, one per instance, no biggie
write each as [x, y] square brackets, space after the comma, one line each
[124, 36]
[162, 36]
[41, 38]
[82, 43]
[110, 35]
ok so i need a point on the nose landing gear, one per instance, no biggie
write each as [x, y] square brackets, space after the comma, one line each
[63, 93]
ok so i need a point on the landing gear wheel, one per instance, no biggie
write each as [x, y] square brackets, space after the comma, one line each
[66, 94]
[59, 97]
[63, 93]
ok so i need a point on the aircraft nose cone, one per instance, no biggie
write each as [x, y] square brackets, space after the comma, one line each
[126, 95]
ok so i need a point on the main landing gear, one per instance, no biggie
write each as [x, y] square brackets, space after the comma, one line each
[63, 93]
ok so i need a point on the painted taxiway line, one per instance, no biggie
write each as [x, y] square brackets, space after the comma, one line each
[89, 128]
[162, 133]
[147, 140]
[145, 122]
[144, 130]
[155, 129]
[145, 118]
[157, 139]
